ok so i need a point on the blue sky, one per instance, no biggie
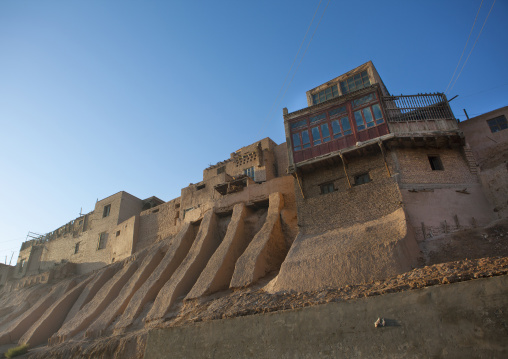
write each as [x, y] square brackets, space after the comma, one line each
[102, 96]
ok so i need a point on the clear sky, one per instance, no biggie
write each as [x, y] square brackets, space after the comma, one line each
[102, 96]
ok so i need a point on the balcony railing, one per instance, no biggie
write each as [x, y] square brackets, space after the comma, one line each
[419, 107]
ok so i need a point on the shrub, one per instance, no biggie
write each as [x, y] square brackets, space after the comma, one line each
[14, 352]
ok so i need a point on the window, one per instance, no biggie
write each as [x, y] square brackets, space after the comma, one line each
[76, 248]
[326, 94]
[117, 233]
[301, 140]
[107, 209]
[362, 179]
[435, 163]
[249, 172]
[327, 188]
[22, 265]
[80, 222]
[497, 124]
[355, 82]
[221, 170]
[364, 119]
[200, 186]
[103, 239]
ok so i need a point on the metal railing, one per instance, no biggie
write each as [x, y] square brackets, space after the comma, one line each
[419, 107]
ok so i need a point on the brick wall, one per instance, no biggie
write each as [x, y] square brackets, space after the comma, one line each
[346, 206]
[414, 166]
[158, 223]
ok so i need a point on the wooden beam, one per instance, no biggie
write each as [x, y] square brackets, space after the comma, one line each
[384, 157]
[299, 184]
[344, 166]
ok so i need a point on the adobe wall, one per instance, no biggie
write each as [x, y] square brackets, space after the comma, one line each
[259, 155]
[488, 148]
[445, 321]
[440, 201]
[491, 152]
[159, 223]
[281, 157]
[6, 272]
[346, 206]
[414, 167]
[359, 253]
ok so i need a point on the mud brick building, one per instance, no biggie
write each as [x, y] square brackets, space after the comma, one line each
[359, 155]
[366, 187]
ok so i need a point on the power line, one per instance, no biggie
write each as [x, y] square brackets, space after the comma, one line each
[467, 58]
[294, 60]
[463, 50]
[278, 100]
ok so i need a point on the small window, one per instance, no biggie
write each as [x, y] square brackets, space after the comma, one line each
[221, 170]
[106, 211]
[201, 186]
[249, 172]
[22, 265]
[362, 179]
[80, 222]
[117, 233]
[177, 205]
[498, 124]
[435, 163]
[327, 188]
[103, 239]
[76, 248]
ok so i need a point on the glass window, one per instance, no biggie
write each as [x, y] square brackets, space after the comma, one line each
[249, 172]
[346, 126]
[325, 132]
[299, 124]
[368, 117]
[318, 118]
[363, 100]
[362, 179]
[498, 124]
[106, 211]
[359, 120]
[378, 115]
[327, 188]
[337, 132]
[355, 82]
[326, 94]
[297, 145]
[305, 139]
[316, 136]
[336, 112]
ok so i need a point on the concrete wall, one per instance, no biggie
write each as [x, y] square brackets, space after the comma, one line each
[460, 320]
